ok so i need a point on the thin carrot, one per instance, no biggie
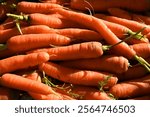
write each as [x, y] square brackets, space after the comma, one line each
[28, 42]
[111, 38]
[107, 63]
[142, 49]
[44, 19]
[75, 51]
[131, 89]
[103, 5]
[133, 25]
[22, 61]
[74, 76]
[34, 7]
[21, 83]
[119, 13]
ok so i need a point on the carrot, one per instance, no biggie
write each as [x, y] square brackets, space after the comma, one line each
[21, 83]
[134, 72]
[34, 7]
[61, 2]
[83, 92]
[44, 19]
[142, 49]
[7, 25]
[148, 36]
[103, 5]
[27, 42]
[80, 35]
[22, 61]
[74, 76]
[75, 51]
[133, 25]
[131, 89]
[119, 13]
[141, 18]
[107, 63]
[35, 29]
[111, 38]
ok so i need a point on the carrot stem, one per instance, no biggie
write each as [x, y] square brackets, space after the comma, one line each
[18, 27]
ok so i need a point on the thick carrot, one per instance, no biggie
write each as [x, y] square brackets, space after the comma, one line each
[83, 92]
[134, 72]
[21, 83]
[75, 51]
[34, 7]
[132, 88]
[44, 19]
[27, 42]
[119, 13]
[107, 63]
[22, 61]
[103, 5]
[75, 76]
[35, 29]
[142, 49]
[133, 25]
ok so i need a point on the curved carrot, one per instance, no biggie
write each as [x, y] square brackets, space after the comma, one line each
[133, 25]
[22, 61]
[35, 29]
[131, 89]
[74, 76]
[119, 13]
[34, 7]
[28, 42]
[21, 83]
[107, 63]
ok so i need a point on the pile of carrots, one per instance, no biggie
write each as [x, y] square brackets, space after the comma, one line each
[75, 50]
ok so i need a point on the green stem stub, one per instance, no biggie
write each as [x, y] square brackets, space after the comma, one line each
[18, 17]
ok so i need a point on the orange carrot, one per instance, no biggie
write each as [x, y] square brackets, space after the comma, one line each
[44, 19]
[119, 13]
[133, 25]
[7, 25]
[131, 89]
[74, 76]
[34, 7]
[27, 42]
[22, 61]
[103, 5]
[107, 63]
[148, 35]
[142, 49]
[21, 83]
[75, 51]
[35, 29]
[134, 72]
[61, 2]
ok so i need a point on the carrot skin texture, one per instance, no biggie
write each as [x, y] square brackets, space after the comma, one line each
[132, 88]
[22, 61]
[70, 52]
[108, 63]
[22, 43]
[75, 76]
[21, 83]
[8, 33]
[31, 7]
